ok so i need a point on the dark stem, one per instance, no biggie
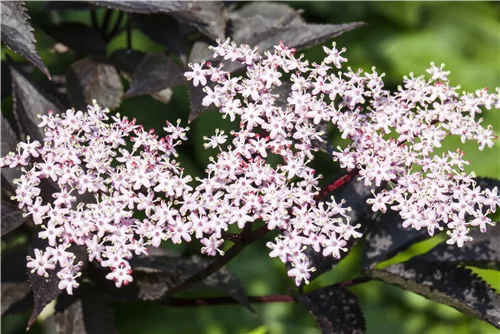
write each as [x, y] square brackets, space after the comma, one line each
[327, 190]
[105, 22]
[112, 34]
[186, 302]
[93, 17]
[207, 301]
[129, 34]
[222, 261]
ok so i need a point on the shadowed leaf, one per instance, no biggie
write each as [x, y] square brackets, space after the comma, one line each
[9, 143]
[6, 81]
[454, 286]
[336, 310]
[481, 252]
[196, 95]
[17, 33]
[259, 17]
[127, 60]
[88, 314]
[16, 291]
[79, 37]
[166, 31]
[88, 80]
[146, 7]
[387, 237]
[209, 17]
[45, 289]
[159, 272]
[155, 73]
[12, 217]
[29, 101]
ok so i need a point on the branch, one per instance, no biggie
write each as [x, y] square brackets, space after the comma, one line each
[327, 190]
[186, 302]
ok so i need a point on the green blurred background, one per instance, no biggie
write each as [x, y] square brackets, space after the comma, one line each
[400, 37]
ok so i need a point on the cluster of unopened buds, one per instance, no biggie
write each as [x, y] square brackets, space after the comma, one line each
[140, 197]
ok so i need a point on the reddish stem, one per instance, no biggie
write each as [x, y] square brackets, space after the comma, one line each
[327, 190]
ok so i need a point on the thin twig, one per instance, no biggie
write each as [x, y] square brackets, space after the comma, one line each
[114, 32]
[129, 34]
[187, 302]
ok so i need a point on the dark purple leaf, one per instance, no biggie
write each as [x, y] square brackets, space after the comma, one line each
[14, 287]
[15, 297]
[487, 182]
[209, 17]
[29, 101]
[454, 286]
[12, 217]
[6, 81]
[200, 51]
[66, 5]
[481, 252]
[196, 95]
[17, 33]
[155, 73]
[79, 37]
[336, 310]
[164, 30]
[45, 289]
[89, 314]
[299, 36]
[88, 80]
[387, 237]
[144, 6]
[260, 17]
[9, 143]
[127, 60]
[159, 272]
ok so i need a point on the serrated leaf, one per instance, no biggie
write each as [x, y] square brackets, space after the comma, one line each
[454, 286]
[164, 30]
[259, 17]
[127, 60]
[196, 95]
[15, 288]
[81, 38]
[481, 252]
[17, 33]
[89, 314]
[12, 217]
[29, 101]
[156, 274]
[9, 143]
[336, 310]
[155, 73]
[45, 289]
[387, 237]
[298, 36]
[144, 6]
[209, 17]
[89, 79]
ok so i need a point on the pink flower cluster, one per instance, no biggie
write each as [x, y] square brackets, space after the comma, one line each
[139, 195]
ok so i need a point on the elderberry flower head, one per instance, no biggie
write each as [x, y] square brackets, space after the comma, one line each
[393, 137]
